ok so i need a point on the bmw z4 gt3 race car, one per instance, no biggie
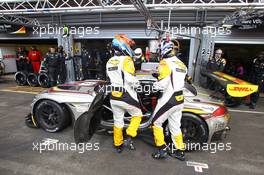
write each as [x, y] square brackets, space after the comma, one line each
[86, 106]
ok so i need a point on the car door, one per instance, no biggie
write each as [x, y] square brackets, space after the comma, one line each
[86, 125]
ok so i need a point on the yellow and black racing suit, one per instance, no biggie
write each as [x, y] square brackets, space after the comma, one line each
[120, 70]
[172, 73]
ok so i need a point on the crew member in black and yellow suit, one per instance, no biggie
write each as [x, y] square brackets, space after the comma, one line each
[217, 63]
[172, 73]
[120, 69]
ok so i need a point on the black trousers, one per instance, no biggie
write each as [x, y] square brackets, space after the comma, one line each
[22, 65]
[63, 73]
[255, 96]
[53, 73]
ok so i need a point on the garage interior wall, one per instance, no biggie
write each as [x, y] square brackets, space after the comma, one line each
[243, 54]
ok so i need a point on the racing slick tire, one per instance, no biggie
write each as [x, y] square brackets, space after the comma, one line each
[194, 129]
[51, 116]
[43, 80]
[32, 79]
[21, 78]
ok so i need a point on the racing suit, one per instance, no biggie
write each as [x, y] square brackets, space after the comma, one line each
[120, 70]
[172, 73]
[35, 58]
[53, 63]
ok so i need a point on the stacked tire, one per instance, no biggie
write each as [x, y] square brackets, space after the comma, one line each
[32, 80]
[21, 78]
[24, 78]
[43, 80]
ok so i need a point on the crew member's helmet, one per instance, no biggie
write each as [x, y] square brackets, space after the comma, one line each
[123, 44]
[138, 53]
[166, 48]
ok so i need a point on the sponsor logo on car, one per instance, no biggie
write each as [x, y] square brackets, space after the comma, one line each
[246, 89]
[239, 90]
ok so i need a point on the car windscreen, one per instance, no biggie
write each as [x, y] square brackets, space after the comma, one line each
[81, 89]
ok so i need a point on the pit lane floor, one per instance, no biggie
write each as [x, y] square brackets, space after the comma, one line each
[17, 155]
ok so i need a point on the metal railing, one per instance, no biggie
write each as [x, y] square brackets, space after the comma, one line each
[68, 6]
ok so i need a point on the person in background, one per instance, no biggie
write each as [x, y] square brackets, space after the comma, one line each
[53, 64]
[230, 68]
[92, 65]
[35, 58]
[62, 70]
[257, 76]
[85, 57]
[240, 71]
[147, 54]
[99, 65]
[215, 64]
[138, 58]
[22, 59]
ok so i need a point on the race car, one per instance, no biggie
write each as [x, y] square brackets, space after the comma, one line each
[58, 107]
[233, 89]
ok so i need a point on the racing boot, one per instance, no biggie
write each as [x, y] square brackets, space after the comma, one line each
[161, 153]
[118, 139]
[178, 154]
[119, 149]
[129, 143]
[131, 131]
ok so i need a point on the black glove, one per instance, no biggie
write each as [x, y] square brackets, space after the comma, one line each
[155, 75]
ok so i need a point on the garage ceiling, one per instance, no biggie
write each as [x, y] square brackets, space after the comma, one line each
[123, 12]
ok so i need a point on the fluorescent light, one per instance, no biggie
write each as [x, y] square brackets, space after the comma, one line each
[227, 25]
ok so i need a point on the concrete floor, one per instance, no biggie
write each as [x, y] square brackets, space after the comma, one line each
[17, 155]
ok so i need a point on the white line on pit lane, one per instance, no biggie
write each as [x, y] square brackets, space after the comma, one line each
[241, 111]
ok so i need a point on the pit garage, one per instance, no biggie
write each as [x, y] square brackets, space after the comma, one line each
[56, 116]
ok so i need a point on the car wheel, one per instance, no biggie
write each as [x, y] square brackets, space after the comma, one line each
[194, 131]
[51, 116]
